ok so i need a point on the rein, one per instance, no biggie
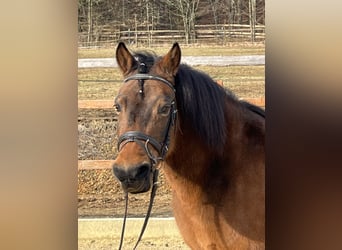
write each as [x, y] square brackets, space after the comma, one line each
[148, 213]
[144, 140]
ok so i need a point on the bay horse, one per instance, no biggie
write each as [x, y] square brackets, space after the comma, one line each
[209, 144]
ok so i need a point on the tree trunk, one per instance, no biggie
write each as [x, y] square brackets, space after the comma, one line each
[90, 21]
[252, 18]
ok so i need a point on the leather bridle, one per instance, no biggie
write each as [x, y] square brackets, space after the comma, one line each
[139, 137]
[144, 140]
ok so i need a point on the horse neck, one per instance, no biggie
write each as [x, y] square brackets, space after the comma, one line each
[188, 151]
[190, 157]
[231, 183]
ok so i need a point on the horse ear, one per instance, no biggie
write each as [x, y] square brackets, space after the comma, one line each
[170, 62]
[125, 59]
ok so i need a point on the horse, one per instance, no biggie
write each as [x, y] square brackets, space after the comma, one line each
[210, 145]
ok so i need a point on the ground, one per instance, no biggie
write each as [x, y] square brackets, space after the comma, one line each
[146, 243]
[100, 195]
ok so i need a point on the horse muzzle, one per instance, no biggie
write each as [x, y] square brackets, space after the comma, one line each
[134, 179]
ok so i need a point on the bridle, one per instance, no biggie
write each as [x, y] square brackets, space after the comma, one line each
[137, 136]
[144, 140]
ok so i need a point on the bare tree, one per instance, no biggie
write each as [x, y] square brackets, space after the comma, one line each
[186, 10]
[252, 18]
[90, 20]
[99, 20]
[214, 4]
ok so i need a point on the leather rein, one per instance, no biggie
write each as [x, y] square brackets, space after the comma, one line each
[144, 140]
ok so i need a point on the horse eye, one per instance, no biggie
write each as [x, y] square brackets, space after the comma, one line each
[117, 107]
[165, 110]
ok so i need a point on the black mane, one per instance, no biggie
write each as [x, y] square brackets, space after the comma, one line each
[147, 58]
[201, 102]
[254, 108]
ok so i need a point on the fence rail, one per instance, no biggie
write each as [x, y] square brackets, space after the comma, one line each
[94, 164]
[107, 104]
[218, 34]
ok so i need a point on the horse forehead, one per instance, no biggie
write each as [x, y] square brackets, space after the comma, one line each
[158, 87]
[151, 88]
[129, 88]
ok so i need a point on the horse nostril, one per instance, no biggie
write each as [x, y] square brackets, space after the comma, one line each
[131, 174]
[143, 171]
[119, 173]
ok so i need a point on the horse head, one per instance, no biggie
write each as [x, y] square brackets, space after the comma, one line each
[146, 107]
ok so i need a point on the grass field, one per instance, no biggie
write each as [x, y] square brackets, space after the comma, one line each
[244, 81]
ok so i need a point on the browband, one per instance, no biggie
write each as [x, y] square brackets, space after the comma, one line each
[141, 76]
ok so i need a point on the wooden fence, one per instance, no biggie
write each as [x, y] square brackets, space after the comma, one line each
[105, 104]
[203, 34]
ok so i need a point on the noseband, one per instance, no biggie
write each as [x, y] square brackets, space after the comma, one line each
[144, 140]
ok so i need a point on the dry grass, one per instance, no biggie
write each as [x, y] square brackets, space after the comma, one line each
[244, 81]
[96, 138]
[98, 90]
[150, 243]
